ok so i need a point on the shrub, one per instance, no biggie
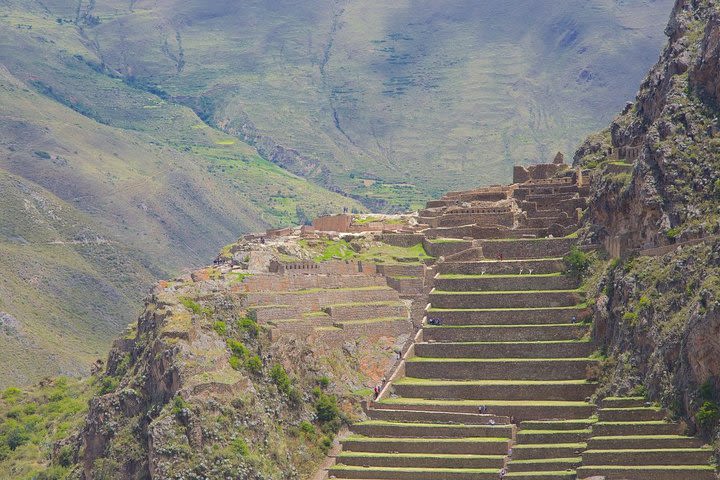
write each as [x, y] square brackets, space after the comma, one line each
[240, 447]
[235, 362]
[238, 349]
[708, 415]
[179, 404]
[630, 317]
[249, 326]
[11, 393]
[66, 456]
[16, 436]
[327, 408]
[307, 427]
[644, 303]
[673, 233]
[254, 364]
[281, 378]
[108, 384]
[577, 261]
[326, 444]
[707, 390]
[194, 307]
[220, 327]
[324, 381]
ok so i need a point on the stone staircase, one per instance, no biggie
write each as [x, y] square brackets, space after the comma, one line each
[500, 377]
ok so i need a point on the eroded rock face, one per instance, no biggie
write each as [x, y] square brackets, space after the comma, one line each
[706, 74]
[669, 141]
[656, 183]
[175, 406]
[658, 320]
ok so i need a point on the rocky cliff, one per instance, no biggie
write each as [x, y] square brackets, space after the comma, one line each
[654, 203]
[202, 387]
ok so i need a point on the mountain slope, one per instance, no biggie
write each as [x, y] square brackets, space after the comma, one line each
[107, 188]
[656, 204]
[392, 103]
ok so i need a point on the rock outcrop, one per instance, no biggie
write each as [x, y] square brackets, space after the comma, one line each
[654, 205]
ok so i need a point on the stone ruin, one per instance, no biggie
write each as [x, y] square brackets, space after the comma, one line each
[544, 200]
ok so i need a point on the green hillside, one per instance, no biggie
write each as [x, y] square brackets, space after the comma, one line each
[388, 101]
[104, 188]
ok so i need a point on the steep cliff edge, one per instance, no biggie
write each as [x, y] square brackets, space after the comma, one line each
[218, 380]
[655, 203]
[657, 164]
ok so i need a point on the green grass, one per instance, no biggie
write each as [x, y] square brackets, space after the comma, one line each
[431, 382]
[522, 309]
[534, 342]
[430, 425]
[342, 468]
[653, 450]
[479, 440]
[368, 321]
[495, 360]
[418, 456]
[639, 437]
[505, 292]
[489, 403]
[32, 420]
[553, 432]
[544, 474]
[575, 445]
[475, 276]
[540, 461]
[661, 468]
[540, 326]
[362, 304]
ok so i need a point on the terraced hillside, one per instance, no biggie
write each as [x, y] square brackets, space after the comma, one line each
[500, 378]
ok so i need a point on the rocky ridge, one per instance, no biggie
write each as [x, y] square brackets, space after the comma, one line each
[654, 205]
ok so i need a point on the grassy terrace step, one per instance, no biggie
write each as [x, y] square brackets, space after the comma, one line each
[379, 428]
[649, 472]
[632, 414]
[527, 437]
[506, 299]
[659, 427]
[534, 349]
[494, 389]
[498, 368]
[643, 442]
[556, 475]
[660, 456]
[507, 316]
[398, 473]
[539, 451]
[367, 321]
[426, 416]
[622, 402]
[504, 333]
[520, 409]
[460, 445]
[572, 424]
[501, 267]
[419, 460]
[544, 464]
[476, 283]
[527, 248]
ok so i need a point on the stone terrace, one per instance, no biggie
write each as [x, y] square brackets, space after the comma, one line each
[499, 378]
